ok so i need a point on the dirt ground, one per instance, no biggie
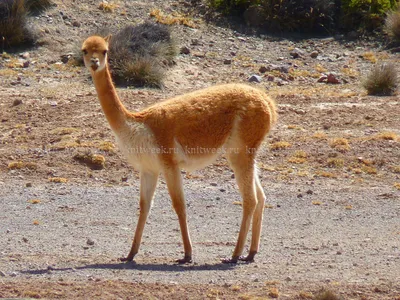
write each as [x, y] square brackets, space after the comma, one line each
[330, 169]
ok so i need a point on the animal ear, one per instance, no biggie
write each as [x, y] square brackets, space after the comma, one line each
[108, 38]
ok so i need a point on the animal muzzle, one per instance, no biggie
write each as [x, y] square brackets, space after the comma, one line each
[94, 64]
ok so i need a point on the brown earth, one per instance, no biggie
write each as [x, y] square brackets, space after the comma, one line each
[330, 169]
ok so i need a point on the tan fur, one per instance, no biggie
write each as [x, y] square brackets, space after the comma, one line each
[189, 132]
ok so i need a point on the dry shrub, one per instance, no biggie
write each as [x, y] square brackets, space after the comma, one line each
[340, 144]
[392, 25]
[58, 180]
[36, 6]
[108, 6]
[16, 165]
[139, 55]
[13, 24]
[382, 80]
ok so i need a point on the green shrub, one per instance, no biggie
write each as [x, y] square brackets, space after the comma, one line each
[367, 14]
[312, 15]
[382, 80]
[140, 54]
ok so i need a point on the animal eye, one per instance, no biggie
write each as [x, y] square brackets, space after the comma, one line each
[84, 51]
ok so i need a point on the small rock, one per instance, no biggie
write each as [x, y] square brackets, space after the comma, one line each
[53, 103]
[196, 42]
[314, 54]
[263, 69]
[297, 53]
[28, 184]
[227, 61]
[255, 78]
[26, 64]
[299, 196]
[17, 102]
[288, 279]
[332, 79]
[13, 274]
[25, 55]
[2, 274]
[322, 78]
[270, 78]
[185, 50]
[76, 24]
[213, 184]
[24, 239]
[90, 242]
[222, 190]
[309, 192]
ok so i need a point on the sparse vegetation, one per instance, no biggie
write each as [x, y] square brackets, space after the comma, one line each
[340, 144]
[382, 80]
[140, 54]
[93, 161]
[58, 180]
[14, 30]
[392, 25]
[174, 19]
[108, 6]
[311, 15]
[16, 165]
[326, 295]
[280, 145]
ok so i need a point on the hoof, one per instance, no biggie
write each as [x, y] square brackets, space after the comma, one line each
[186, 260]
[248, 259]
[126, 259]
[232, 260]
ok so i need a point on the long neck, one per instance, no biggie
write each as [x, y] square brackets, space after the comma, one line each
[113, 108]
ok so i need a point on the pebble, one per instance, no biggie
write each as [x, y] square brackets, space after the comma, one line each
[213, 184]
[28, 184]
[297, 53]
[254, 78]
[2, 274]
[227, 61]
[76, 24]
[314, 54]
[263, 69]
[185, 50]
[25, 240]
[90, 242]
[17, 102]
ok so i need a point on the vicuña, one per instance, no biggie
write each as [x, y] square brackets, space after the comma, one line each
[167, 137]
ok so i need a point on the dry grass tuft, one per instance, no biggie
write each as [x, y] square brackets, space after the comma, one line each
[382, 80]
[369, 170]
[370, 56]
[13, 24]
[316, 203]
[280, 145]
[63, 130]
[334, 162]
[16, 165]
[273, 293]
[139, 55]
[325, 174]
[58, 180]
[320, 135]
[34, 201]
[174, 19]
[93, 161]
[299, 157]
[392, 25]
[326, 295]
[388, 136]
[397, 185]
[340, 144]
[395, 169]
[108, 6]
[305, 295]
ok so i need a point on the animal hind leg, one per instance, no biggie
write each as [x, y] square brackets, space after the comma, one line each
[175, 188]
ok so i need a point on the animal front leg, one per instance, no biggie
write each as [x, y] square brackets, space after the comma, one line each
[148, 183]
[175, 187]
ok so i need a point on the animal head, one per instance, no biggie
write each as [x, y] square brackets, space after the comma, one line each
[94, 50]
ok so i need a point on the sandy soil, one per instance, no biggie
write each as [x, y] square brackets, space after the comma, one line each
[330, 169]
